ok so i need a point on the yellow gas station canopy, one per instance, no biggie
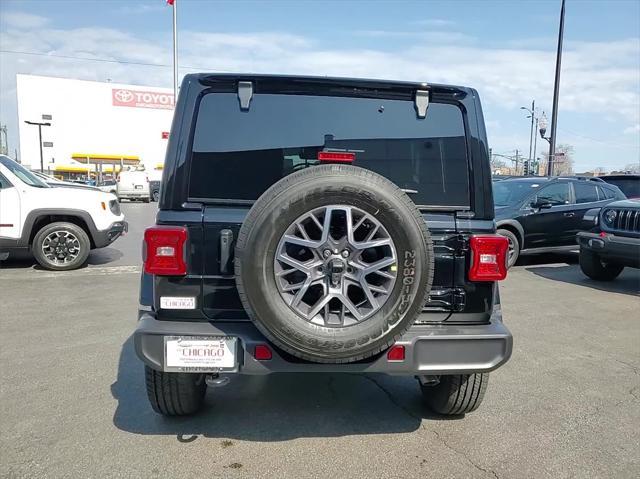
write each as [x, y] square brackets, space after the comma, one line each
[95, 158]
[81, 169]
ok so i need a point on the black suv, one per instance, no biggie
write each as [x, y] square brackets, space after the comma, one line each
[544, 214]
[613, 243]
[323, 225]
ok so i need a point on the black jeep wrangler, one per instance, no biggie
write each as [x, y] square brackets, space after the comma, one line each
[323, 225]
[613, 243]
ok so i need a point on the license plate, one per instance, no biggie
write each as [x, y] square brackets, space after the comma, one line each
[138, 187]
[200, 353]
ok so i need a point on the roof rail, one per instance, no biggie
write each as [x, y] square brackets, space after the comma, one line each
[585, 178]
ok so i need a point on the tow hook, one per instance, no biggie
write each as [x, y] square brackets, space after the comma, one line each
[215, 381]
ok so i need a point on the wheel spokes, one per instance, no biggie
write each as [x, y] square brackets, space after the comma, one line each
[333, 265]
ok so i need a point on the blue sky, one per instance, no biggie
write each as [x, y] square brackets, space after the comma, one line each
[505, 49]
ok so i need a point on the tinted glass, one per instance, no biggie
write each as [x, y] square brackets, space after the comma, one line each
[507, 192]
[585, 192]
[4, 183]
[629, 186]
[556, 194]
[605, 193]
[22, 173]
[239, 154]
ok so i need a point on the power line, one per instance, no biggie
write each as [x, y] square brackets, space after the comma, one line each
[615, 145]
[70, 57]
[108, 60]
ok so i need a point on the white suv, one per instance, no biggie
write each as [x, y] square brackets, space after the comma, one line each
[58, 225]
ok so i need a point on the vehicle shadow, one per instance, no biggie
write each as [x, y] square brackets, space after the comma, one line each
[96, 257]
[18, 260]
[627, 283]
[102, 256]
[547, 258]
[278, 407]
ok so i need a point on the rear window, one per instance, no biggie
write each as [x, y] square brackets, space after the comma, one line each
[629, 186]
[238, 154]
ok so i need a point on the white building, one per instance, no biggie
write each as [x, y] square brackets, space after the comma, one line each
[92, 123]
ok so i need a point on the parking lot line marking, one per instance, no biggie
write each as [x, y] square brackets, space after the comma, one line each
[33, 273]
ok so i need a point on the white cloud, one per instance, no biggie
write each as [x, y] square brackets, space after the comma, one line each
[423, 36]
[131, 8]
[434, 22]
[598, 78]
[632, 130]
[22, 20]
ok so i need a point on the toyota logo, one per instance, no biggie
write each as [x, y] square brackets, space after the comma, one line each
[125, 96]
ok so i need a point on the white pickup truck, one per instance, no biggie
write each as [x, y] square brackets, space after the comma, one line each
[58, 225]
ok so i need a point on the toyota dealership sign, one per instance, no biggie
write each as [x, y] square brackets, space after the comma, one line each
[97, 118]
[141, 98]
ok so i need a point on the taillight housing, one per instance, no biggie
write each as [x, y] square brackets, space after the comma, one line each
[164, 250]
[488, 257]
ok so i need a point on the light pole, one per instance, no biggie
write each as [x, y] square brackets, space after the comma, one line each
[556, 94]
[174, 6]
[40, 125]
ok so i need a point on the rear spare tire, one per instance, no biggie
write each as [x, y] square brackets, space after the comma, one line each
[333, 263]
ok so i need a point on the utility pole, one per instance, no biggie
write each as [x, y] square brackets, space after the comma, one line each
[531, 133]
[556, 94]
[535, 144]
[517, 159]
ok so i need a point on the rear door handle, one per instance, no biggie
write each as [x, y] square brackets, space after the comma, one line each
[569, 215]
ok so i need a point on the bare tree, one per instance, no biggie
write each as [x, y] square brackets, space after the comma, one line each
[563, 162]
[497, 163]
[599, 171]
[633, 168]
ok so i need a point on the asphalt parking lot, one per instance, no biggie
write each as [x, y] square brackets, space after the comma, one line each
[73, 401]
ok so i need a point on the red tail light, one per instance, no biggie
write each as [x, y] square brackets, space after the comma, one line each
[396, 353]
[262, 352]
[488, 258]
[336, 157]
[164, 250]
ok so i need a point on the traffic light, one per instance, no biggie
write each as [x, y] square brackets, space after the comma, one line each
[526, 167]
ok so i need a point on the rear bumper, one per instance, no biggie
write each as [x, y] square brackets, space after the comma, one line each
[429, 349]
[135, 194]
[619, 249]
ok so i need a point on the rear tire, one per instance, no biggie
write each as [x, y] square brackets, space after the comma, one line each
[174, 394]
[456, 394]
[146, 200]
[156, 196]
[514, 246]
[592, 266]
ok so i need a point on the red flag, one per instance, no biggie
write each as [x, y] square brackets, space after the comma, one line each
[170, 2]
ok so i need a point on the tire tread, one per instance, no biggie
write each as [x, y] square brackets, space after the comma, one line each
[308, 175]
[456, 394]
[174, 394]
